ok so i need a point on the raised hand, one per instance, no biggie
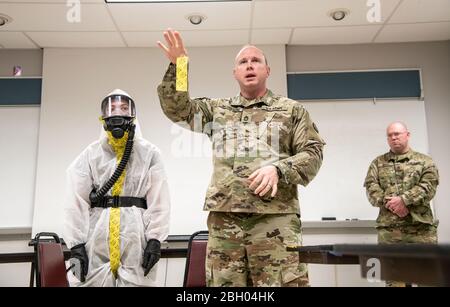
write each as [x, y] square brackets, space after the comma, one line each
[175, 47]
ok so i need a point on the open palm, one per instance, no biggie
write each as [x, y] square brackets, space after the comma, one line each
[175, 47]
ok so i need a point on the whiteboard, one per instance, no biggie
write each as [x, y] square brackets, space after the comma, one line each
[18, 143]
[355, 134]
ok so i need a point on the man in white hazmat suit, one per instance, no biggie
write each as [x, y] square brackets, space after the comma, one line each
[117, 203]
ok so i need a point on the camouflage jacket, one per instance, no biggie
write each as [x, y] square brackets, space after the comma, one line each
[247, 135]
[413, 176]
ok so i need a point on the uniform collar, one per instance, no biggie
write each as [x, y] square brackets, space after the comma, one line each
[406, 156]
[239, 100]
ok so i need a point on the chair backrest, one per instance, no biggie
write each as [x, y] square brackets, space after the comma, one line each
[50, 264]
[194, 273]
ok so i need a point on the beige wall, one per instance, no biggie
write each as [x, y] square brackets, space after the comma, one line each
[29, 60]
[432, 58]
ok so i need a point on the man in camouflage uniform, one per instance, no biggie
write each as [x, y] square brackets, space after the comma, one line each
[264, 146]
[402, 183]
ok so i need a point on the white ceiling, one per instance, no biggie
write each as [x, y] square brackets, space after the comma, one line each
[43, 23]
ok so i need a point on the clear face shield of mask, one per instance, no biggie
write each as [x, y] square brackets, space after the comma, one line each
[118, 112]
[118, 105]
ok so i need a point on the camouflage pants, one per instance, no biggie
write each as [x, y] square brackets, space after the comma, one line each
[422, 233]
[247, 249]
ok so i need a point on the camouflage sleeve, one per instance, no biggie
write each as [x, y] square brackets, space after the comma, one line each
[424, 191]
[307, 147]
[375, 194]
[181, 109]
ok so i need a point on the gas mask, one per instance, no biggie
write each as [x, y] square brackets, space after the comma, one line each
[118, 113]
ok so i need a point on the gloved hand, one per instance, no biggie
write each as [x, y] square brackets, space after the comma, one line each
[78, 252]
[152, 253]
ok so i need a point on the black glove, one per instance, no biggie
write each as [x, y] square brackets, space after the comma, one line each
[79, 252]
[152, 253]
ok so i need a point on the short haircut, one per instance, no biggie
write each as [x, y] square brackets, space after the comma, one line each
[251, 46]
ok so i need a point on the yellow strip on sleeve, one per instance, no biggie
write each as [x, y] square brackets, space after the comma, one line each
[182, 74]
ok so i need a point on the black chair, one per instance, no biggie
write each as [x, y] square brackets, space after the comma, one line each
[194, 273]
[49, 264]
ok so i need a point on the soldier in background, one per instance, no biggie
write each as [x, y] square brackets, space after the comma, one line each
[264, 145]
[402, 183]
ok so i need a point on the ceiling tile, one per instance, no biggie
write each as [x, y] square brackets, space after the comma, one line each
[142, 39]
[307, 13]
[334, 35]
[15, 40]
[270, 36]
[227, 23]
[190, 38]
[53, 17]
[216, 38]
[414, 32]
[411, 11]
[158, 16]
[77, 39]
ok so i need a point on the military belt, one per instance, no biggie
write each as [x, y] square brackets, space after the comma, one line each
[120, 202]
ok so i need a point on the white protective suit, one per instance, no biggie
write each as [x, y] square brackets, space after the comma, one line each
[145, 177]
